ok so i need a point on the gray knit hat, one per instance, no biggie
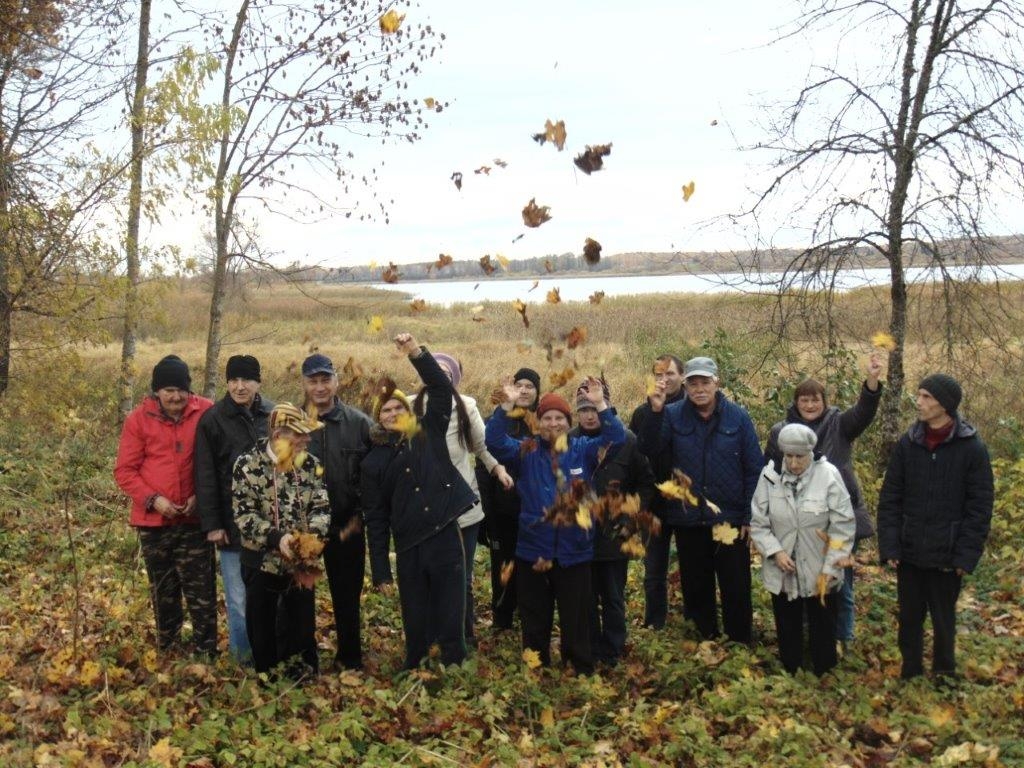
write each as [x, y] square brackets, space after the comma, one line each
[797, 439]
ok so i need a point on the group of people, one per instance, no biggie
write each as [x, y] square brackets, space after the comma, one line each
[268, 486]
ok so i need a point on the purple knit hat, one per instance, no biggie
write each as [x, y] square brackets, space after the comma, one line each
[450, 364]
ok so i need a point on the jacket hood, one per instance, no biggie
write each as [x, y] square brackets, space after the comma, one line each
[961, 431]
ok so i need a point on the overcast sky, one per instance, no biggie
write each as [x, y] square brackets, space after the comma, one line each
[651, 79]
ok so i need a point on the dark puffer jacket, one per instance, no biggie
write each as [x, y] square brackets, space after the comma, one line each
[341, 446]
[721, 455]
[632, 471]
[225, 432]
[836, 431]
[411, 490]
[935, 507]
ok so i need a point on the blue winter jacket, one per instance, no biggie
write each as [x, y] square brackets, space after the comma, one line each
[568, 545]
[721, 455]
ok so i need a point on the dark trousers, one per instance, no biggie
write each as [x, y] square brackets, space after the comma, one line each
[821, 626]
[280, 620]
[345, 565]
[432, 591]
[539, 593]
[920, 591]
[608, 609]
[701, 561]
[181, 562]
[656, 561]
[503, 534]
[470, 534]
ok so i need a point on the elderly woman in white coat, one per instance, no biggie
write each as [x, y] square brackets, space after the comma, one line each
[802, 523]
[465, 438]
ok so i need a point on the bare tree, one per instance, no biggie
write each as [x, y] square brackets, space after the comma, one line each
[295, 80]
[908, 162]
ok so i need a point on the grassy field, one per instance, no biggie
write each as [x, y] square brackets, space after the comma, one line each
[83, 685]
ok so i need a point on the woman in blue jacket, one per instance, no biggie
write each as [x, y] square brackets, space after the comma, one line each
[553, 563]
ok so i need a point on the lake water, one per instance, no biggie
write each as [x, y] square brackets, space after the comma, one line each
[448, 292]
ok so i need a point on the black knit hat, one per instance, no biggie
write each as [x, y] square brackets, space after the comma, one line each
[243, 367]
[945, 389]
[530, 375]
[172, 371]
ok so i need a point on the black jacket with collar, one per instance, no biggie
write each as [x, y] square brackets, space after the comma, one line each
[935, 507]
[225, 432]
[341, 445]
[411, 489]
[631, 470]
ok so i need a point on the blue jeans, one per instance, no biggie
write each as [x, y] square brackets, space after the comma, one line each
[845, 606]
[234, 598]
[470, 535]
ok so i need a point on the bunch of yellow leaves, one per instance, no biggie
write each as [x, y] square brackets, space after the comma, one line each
[305, 559]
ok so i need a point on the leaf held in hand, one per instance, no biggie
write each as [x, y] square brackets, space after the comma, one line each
[883, 340]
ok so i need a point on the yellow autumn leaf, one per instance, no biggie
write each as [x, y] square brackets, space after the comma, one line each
[633, 547]
[688, 191]
[724, 533]
[429, 102]
[649, 385]
[407, 424]
[531, 658]
[562, 443]
[554, 296]
[373, 265]
[883, 340]
[547, 718]
[391, 21]
[821, 588]
[163, 753]
[375, 324]
[583, 518]
[715, 509]
[502, 260]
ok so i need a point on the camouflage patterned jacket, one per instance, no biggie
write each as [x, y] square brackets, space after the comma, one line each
[302, 505]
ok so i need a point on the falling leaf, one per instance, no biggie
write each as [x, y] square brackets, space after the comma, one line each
[391, 21]
[390, 273]
[591, 251]
[33, 73]
[714, 123]
[561, 443]
[503, 261]
[500, 163]
[561, 378]
[596, 296]
[429, 102]
[554, 296]
[883, 340]
[479, 319]
[679, 487]
[531, 658]
[548, 266]
[535, 284]
[542, 565]
[534, 215]
[375, 324]
[373, 265]
[633, 547]
[688, 191]
[486, 266]
[407, 424]
[575, 337]
[351, 372]
[724, 533]
[507, 569]
[553, 132]
[417, 305]
[715, 509]
[583, 518]
[821, 586]
[520, 307]
[592, 159]
[457, 178]
[484, 169]
[518, 237]
[443, 260]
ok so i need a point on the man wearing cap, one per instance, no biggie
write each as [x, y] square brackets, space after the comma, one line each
[934, 513]
[501, 504]
[625, 471]
[155, 468]
[667, 369]
[340, 446]
[227, 430]
[552, 565]
[714, 442]
[277, 492]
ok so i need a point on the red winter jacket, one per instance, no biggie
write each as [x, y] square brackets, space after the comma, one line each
[155, 457]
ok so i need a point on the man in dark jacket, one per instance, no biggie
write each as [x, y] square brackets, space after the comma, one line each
[934, 513]
[227, 430]
[340, 446]
[626, 471]
[713, 441]
[667, 369]
[413, 493]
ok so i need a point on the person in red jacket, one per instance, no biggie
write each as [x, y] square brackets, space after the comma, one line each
[154, 468]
